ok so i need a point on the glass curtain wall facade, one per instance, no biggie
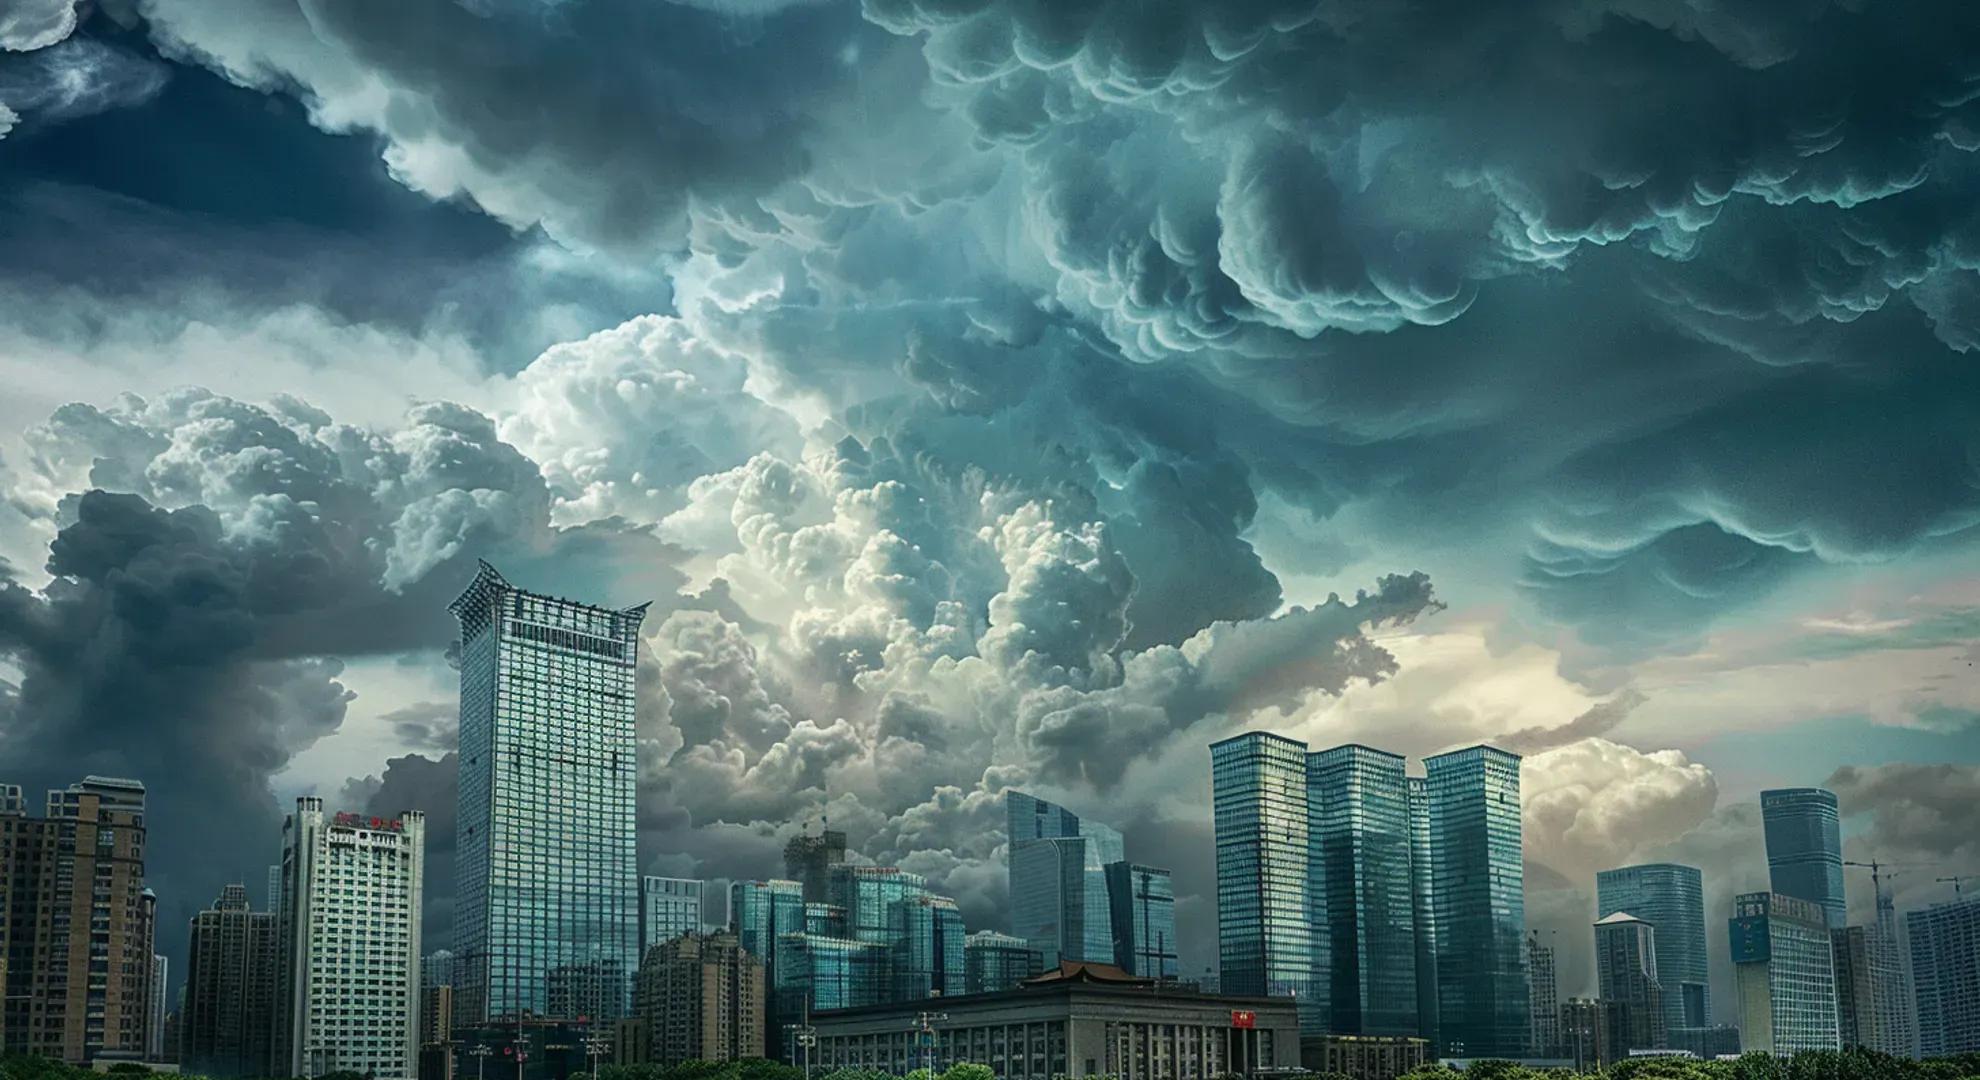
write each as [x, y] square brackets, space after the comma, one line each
[1479, 896]
[1266, 939]
[1670, 898]
[1144, 918]
[1804, 848]
[1945, 971]
[1058, 878]
[1784, 975]
[548, 877]
[1359, 800]
[1423, 907]
[868, 895]
[818, 973]
[668, 908]
[993, 962]
[928, 948]
[1626, 973]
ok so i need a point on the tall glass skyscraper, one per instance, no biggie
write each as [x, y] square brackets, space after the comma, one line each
[868, 895]
[1424, 908]
[928, 948]
[1479, 894]
[1626, 973]
[1058, 875]
[548, 877]
[762, 911]
[1266, 938]
[1359, 800]
[1144, 903]
[1804, 848]
[1945, 971]
[993, 961]
[1670, 898]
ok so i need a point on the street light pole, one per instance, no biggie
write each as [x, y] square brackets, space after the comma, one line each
[480, 1054]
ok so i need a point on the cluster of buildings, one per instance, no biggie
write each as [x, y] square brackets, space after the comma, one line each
[1367, 920]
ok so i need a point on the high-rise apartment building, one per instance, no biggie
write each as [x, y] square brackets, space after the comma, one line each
[994, 961]
[1058, 880]
[1479, 895]
[547, 901]
[1894, 1024]
[233, 979]
[1267, 940]
[700, 997]
[350, 937]
[1358, 800]
[1543, 1000]
[809, 859]
[436, 1015]
[1626, 972]
[1144, 917]
[1671, 898]
[668, 908]
[1423, 908]
[1804, 848]
[76, 923]
[1784, 974]
[928, 948]
[1850, 948]
[1945, 969]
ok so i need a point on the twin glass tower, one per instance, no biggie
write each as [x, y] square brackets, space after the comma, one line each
[547, 905]
[1381, 904]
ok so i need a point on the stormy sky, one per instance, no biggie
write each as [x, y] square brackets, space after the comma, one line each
[995, 393]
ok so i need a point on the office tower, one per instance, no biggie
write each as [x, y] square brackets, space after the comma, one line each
[233, 976]
[437, 968]
[868, 894]
[1671, 898]
[928, 948]
[272, 896]
[668, 908]
[154, 1025]
[993, 962]
[1890, 983]
[350, 922]
[1359, 803]
[1543, 999]
[1856, 999]
[76, 922]
[813, 974]
[1423, 909]
[762, 913]
[1479, 898]
[1626, 972]
[1804, 848]
[825, 920]
[548, 879]
[1945, 971]
[1058, 880]
[1592, 1032]
[1266, 936]
[808, 860]
[1143, 899]
[700, 997]
[1783, 974]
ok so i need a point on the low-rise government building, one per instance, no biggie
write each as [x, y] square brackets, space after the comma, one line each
[1080, 1019]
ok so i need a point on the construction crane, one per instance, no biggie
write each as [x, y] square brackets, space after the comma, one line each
[1956, 879]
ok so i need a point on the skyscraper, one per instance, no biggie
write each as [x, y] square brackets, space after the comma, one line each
[548, 876]
[808, 860]
[1265, 915]
[761, 915]
[350, 937]
[993, 961]
[76, 922]
[1891, 998]
[1423, 907]
[1478, 888]
[1856, 998]
[1543, 1000]
[1144, 918]
[1784, 974]
[668, 908]
[154, 1028]
[1058, 878]
[1804, 848]
[1945, 969]
[1671, 898]
[928, 948]
[1626, 972]
[868, 895]
[233, 979]
[1359, 802]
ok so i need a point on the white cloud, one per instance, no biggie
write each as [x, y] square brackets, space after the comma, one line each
[26, 25]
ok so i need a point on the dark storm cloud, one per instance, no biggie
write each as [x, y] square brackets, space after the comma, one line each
[431, 786]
